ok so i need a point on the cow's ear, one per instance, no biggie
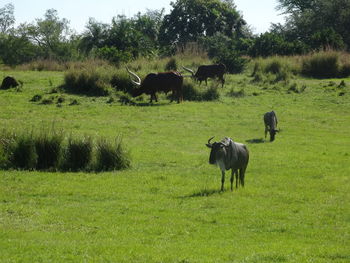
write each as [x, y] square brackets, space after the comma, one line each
[209, 145]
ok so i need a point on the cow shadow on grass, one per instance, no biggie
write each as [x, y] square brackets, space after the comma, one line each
[259, 140]
[202, 193]
[145, 104]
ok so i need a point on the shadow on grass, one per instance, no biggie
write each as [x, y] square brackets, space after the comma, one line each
[260, 140]
[203, 193]
[150, 104]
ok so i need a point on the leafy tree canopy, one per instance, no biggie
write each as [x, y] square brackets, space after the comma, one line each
[190, 19]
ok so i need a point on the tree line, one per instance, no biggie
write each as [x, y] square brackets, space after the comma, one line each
[214, 25]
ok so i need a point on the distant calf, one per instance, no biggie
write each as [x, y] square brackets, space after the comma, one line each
[9, 82]
[270, 120]
[228, 154]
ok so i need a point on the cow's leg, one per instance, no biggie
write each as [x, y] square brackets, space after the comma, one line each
[266, 130]
[232, 174]
[222, 81]
[236, 173]
[241, 176]
[222, 180]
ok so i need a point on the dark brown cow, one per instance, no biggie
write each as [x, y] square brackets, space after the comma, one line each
[209, 71]
[9, 82]
[159, 82]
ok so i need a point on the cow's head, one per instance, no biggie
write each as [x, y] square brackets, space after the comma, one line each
[138, 91]
[272, 134]
[217, 152]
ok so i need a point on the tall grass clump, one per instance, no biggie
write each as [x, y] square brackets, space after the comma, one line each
[171, 64]
[7, 142]
[120, 81]
[23, 154]
[49, 149]
[194, 93]
[111, 156]
[91, 82]
[322, 65]
[78, 154]
[273, 70]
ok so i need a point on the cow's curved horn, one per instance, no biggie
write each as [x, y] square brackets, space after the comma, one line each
[189, 70]
[209, 144]
[138, 82]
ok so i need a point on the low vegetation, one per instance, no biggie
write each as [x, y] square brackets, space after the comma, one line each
[49, 151]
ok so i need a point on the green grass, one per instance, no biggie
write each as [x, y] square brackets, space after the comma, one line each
[167, 207]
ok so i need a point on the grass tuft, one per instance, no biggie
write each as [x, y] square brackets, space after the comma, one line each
[78, 154]
[111, 156]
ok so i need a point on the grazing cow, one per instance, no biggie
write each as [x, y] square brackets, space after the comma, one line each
[228, 154]
[9, 82]
[270, 120]
[159, 82]
[209, 71]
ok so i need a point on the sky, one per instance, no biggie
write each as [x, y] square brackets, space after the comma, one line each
[259, 14]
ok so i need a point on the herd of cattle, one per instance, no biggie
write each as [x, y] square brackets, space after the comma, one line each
[226, 154]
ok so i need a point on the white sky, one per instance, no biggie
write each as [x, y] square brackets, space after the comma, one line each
[259, 14]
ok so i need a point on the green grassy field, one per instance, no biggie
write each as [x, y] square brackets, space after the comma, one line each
[167, 207]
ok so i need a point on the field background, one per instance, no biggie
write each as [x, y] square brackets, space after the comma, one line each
[167, 207]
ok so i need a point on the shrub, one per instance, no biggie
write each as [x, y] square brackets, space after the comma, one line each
[78, 154]
[210, 94]
[48, 151]
[24, 154]
[321, 65]
[121, 82]
[272, 70]
[232, 60]
[88, 82]
[345, 70]
[48, 148]
[111, 156]
[171, 65]
[113, 55]
[192, 93]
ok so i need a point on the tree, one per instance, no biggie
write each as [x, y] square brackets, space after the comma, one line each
[50, 34]
[191, 19]
[312, 20]
[7, 19]
[94, 36]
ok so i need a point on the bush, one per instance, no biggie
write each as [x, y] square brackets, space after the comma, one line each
[171, 65]
[192, 93]
[272, 70]
[321, 65]
[92, 82]
[24, 154]
[232, 60]
[113, 55]
[345, 70]
[111, 156]
[48, 148]
[78, 154]
[48, 151]
[121, 82]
